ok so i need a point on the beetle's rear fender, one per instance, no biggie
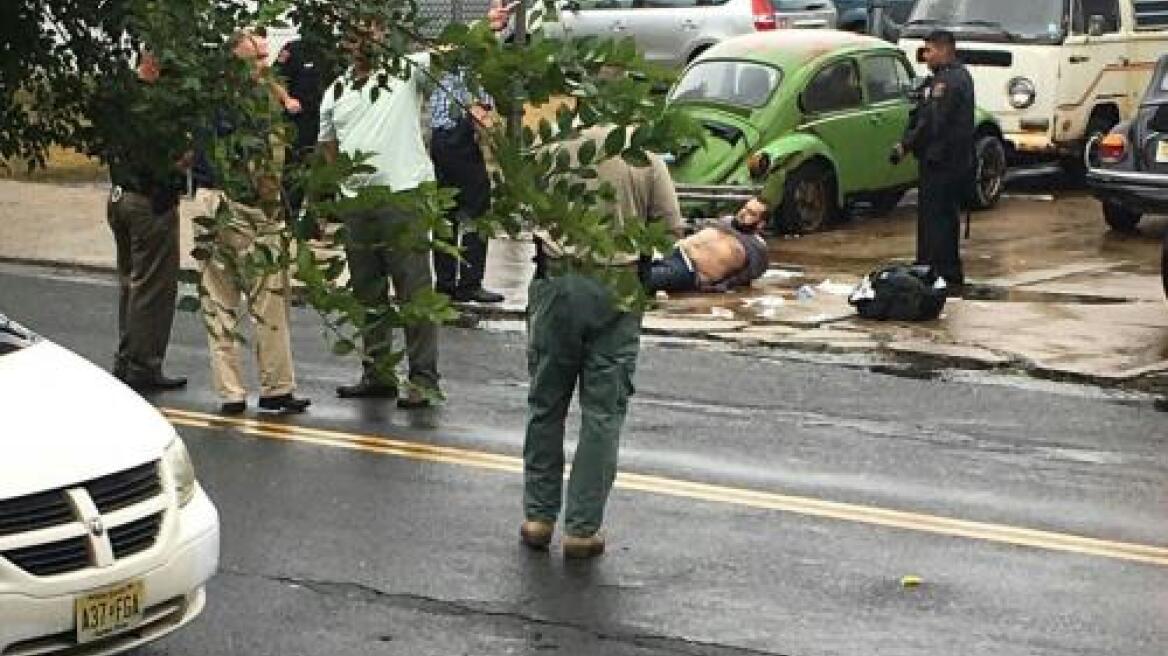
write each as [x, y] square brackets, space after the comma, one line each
[787, 154]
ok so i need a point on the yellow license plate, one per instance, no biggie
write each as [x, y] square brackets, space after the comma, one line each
[1162, 151]
[111, 611]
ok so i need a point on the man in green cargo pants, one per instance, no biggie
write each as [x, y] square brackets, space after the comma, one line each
[577, 337]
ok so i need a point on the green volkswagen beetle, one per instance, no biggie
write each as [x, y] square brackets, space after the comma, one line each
[807, 119]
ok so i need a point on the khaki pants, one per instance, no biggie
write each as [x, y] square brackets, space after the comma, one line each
[228, 294]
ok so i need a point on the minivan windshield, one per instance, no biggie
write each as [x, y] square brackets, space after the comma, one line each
[13, 336]
[1023, 21]
[739, 83]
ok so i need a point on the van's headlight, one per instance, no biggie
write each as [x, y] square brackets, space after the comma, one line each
[1022, 92]
[182, 471]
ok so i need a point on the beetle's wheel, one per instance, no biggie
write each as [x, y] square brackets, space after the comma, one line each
[809, 201]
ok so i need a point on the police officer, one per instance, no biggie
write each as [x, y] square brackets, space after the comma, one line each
[147, 153]
[578, 339]
[940, 135]
[305, 70]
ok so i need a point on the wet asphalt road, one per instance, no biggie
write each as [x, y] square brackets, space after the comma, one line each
[334, 550]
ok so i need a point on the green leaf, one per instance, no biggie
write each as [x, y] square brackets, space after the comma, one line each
[635, 157]
[563, 160]
[614, 142]
[587, 153]
[190, 276]
[343, 347]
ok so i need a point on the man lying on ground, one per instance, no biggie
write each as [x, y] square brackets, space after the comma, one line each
[723, 254]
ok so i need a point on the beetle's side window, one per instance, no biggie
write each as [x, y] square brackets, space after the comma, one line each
[882, 78]
[834, 88]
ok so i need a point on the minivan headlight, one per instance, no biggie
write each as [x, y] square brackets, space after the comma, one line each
[1022, 92]
[182, 471]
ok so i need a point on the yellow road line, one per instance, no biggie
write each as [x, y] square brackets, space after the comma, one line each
[808, 506]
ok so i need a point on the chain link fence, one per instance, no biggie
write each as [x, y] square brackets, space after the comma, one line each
[437, 14]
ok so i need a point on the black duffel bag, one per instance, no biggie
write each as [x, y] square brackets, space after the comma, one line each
[901, 292]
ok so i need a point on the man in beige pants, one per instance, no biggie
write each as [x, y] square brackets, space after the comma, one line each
[230, 290]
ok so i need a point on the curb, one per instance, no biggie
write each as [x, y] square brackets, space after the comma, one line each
[1150, 379]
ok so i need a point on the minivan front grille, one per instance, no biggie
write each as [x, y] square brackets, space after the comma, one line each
[135, 537]
[125, 488]
[52, 558]
[65, 508]
[33, 512]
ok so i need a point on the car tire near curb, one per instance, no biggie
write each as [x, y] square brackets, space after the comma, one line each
[1120, 218]
[990, 166]
[809, 200]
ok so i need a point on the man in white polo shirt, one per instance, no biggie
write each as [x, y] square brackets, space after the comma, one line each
[385, 120]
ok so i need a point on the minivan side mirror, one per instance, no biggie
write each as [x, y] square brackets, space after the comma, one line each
[1096, 25]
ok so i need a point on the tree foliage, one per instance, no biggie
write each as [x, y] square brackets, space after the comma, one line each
[63, 61]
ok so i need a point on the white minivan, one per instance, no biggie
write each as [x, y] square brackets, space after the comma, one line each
[1054, 73]
[106, 539]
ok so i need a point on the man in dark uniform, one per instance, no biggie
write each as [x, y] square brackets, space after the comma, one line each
[147, 153]
[940, 135]
[305, 70]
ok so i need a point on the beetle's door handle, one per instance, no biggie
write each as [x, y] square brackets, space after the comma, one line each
[688, 24]
[1080, 59]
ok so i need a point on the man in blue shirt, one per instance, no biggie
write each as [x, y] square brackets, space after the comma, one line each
[456, 115]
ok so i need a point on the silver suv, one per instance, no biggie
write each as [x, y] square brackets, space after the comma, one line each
[673, 32]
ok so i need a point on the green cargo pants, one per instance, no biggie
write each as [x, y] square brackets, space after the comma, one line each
[575, 336]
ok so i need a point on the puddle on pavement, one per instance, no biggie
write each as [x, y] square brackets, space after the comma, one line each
[1004, 295]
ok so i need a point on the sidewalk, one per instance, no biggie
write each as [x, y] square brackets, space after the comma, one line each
[1055, 295]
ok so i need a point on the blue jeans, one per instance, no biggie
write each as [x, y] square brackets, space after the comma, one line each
[672, 274]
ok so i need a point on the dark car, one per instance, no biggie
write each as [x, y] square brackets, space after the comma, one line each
[1128, 168]
[853, 16]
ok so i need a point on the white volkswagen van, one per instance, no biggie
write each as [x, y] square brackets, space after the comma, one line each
[1053, 72]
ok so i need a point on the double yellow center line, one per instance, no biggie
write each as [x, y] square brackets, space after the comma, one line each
[807, 506]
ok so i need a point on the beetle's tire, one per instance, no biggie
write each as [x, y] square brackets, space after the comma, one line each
[990, 172]
[1075, 168]
[884, 202]
[1120, 218]
[809, 200]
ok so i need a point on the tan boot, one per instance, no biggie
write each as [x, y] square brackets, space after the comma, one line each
[580, 548]
[536, 535]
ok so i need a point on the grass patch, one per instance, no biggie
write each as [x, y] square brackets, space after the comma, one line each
[63, 165]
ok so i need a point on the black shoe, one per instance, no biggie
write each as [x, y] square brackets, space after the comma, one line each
[477, 295]
[367, 390]
[284, 403]
[233, 408]
[155, 383]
